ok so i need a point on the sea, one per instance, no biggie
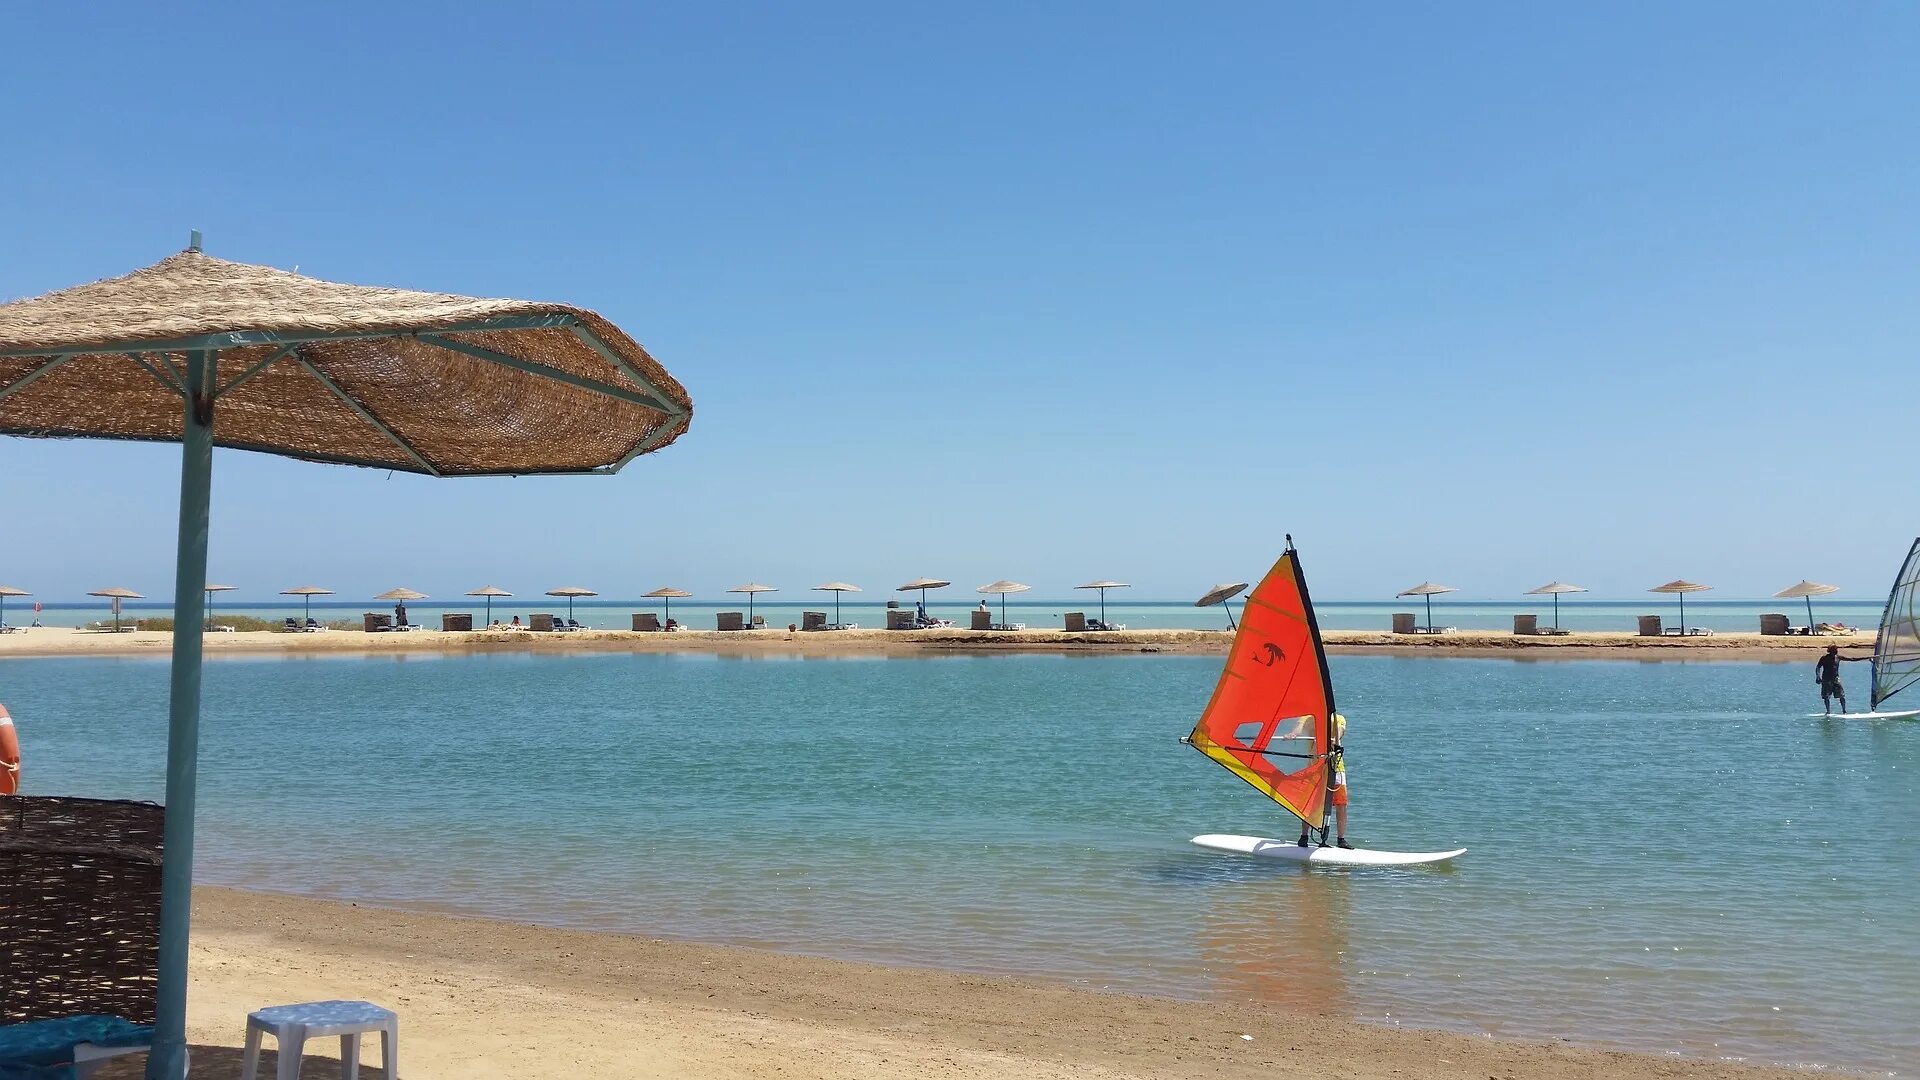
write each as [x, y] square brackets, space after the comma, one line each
[1663, 856]
[1584, 615]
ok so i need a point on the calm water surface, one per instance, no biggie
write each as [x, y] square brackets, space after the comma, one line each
[1664, 856]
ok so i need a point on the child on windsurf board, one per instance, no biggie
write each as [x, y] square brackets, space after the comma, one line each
[1827, 674]
[1337, 798]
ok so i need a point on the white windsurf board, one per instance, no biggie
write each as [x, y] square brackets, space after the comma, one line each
[1906, 715]
[1316, 855]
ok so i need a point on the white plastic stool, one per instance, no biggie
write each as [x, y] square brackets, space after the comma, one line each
[292, 1025]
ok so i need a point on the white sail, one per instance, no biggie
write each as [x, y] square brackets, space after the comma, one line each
[1896, 655]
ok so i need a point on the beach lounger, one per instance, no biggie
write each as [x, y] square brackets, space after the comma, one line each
[646, 622]
[77, 963]
[730, 620]
[1076, 622]
[5, 629]
[572, 625]
[314, 626]
[1008, 626]
[759, 623]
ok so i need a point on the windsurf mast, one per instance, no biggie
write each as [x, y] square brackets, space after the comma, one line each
[1275, 689]
[1896, 652]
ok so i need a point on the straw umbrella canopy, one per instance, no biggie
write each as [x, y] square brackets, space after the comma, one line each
[209, 590]
[116, 595]
[668, 594]
[207, 352]
[1681, 588]
[6, 591]
[1220, 594]
[1103, 586]
[750, 588]
[307, 593]
[1554, 589]
[1806, 590]
[489, 591]
[1429, 590]
[1003, 587]
[922, 585]
[836, 588]
[571, 591]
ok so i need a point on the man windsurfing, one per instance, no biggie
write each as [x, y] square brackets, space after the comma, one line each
[1827, 674]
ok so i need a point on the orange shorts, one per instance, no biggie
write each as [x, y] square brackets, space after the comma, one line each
[1340, 795]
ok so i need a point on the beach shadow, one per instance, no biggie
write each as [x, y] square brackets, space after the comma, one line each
[322, 1059]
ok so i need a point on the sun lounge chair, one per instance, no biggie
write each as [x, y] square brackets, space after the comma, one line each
[1096, 624]
[80, 959]
[572, 625]
[759, 623]
[1833, 628]
[1076, 622]
[730, 620]
[5, 629]
[646, 622]
[314, 626]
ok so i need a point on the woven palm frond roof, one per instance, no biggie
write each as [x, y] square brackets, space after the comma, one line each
[383, 377]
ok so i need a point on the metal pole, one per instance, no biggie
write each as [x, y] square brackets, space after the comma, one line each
[1556, 611]
[1809, 600]
[1429, 613]
[167, 1060]
[1683, 614]
[1103, 607]
[1231, 625]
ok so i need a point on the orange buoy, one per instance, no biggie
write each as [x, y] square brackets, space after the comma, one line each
[9, 755]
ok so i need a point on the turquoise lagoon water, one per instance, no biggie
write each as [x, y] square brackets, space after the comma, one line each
[1664, 856]
[1721, 615]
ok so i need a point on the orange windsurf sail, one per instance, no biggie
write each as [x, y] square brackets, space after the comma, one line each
[1271, 718]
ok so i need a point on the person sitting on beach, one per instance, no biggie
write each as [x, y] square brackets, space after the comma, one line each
[1827, 674]
[1337, 764]
[516, 623]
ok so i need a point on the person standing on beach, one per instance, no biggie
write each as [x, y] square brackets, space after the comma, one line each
[1337, 764]
[1827, 674]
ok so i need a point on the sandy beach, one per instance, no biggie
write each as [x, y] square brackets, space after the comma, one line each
[59, 641]
[493, 999]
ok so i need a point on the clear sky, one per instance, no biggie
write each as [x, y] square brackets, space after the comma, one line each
[1481, 293]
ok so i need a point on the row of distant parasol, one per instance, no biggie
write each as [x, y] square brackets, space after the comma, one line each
[1804, 589]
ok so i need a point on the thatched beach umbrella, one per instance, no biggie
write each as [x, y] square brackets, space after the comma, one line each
[116, 595]
[1806, 590]
[1554, 589]
[1003, 587]
[1429, 590]
[571, 591]
[209, 590]
[750, 588]
[306, 593]
[922, 585]
[669, 594]
[836, 588]
[399, 597]
[207, 352]
[489, 591]
[1681, 588]
[1220, 594]
[1103, 586]
[6, 591]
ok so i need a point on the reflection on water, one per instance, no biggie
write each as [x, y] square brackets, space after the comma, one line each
[1279, 935]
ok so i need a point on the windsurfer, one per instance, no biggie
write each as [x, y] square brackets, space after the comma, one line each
[1827, 674]
[1337, 797]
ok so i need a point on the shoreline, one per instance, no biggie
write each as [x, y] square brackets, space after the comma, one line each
[44, 642]
[482, 997]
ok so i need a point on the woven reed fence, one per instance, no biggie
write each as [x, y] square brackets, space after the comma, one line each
[79, 908]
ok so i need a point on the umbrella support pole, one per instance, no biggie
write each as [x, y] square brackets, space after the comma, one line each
[168, 1057]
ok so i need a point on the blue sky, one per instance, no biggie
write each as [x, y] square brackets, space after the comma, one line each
[1486, 293]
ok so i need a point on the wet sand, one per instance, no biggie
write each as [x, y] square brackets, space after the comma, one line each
[479, 998]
